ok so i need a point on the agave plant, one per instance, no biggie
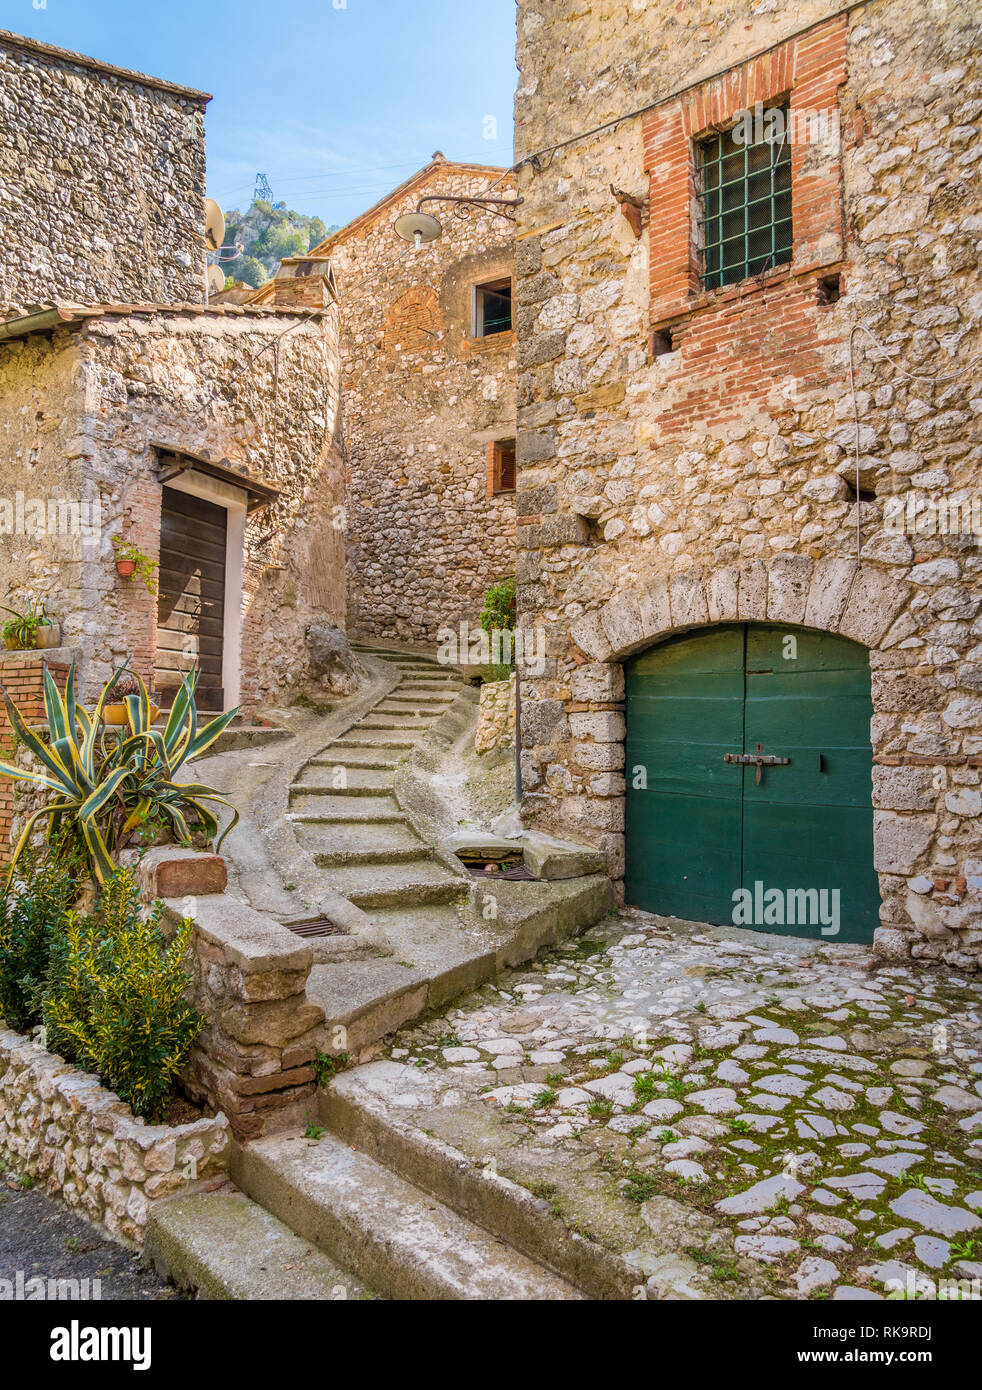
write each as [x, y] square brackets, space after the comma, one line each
[108, 788]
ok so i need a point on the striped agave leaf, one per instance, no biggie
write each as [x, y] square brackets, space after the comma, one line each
[110, 790]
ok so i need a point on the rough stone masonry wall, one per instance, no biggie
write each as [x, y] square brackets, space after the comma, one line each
[204, 381]
[663, 493]
[59, 1126]
[422, 401]
[102, 182]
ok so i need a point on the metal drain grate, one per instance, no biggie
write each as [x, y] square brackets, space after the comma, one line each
[317, 926]
[518, 874]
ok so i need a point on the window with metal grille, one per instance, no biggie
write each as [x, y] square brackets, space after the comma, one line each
[746, 202]
[503, 468]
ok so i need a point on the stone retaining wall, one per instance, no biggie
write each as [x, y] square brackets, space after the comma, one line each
[496, 716]
[60, 1126]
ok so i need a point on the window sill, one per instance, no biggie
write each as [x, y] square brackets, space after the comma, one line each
[743, 289]
[493, 341]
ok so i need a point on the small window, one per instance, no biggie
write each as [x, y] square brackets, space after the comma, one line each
[503, 466]
[746, 197]
[492, 308]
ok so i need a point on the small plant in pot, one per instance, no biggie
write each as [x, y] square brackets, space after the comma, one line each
[124, 683]
[31, 629]
[133, 564]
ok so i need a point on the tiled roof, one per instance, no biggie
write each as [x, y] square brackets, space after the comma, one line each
[47, 317]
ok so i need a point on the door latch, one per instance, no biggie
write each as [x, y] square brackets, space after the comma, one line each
[759, 760]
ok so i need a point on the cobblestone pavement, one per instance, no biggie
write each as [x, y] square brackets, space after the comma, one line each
[41, 1239]
[741, 1115]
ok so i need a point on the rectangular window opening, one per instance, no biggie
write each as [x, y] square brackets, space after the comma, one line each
[504, 466]
[746, 199]
[492, 308]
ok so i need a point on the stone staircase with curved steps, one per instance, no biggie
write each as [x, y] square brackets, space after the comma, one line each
[331, 1216]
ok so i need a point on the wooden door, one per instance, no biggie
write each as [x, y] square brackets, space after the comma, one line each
[191, 600]
[702, 825]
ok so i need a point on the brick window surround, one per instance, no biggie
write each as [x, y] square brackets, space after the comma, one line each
[807, 72]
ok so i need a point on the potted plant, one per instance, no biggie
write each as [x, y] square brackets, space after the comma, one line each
[115, 710]
[31, 629]
[132, 563]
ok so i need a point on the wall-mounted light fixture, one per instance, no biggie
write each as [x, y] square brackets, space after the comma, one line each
[419, 227]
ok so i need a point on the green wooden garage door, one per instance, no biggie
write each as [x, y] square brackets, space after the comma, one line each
[795, 845]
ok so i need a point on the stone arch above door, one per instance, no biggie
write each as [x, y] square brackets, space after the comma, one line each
[835, 595]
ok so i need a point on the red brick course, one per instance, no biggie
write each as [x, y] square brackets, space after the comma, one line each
[735, 342]
[22, 676]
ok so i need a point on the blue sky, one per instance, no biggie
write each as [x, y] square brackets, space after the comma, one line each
[336, 101]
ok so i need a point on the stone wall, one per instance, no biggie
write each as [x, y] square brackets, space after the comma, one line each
[423, 398]
[709, 474]
[495, 716]
[61, 1127]
[102, 181]
[84, 408]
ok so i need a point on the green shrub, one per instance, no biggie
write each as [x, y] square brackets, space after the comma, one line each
[115, 1002]
[499, 606]
[32, 910]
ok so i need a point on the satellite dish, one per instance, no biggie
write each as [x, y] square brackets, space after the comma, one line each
[216, 279]
[418, 228]
[214, 225]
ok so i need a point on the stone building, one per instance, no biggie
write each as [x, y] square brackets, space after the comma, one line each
[749, 457]
[131, 411]
[428, 352]
[102, 181]
[204, 435]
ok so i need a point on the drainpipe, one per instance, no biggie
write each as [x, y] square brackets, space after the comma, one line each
[518, 735]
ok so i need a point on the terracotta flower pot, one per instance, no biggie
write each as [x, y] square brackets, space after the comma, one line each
[116, 714]
[48, 636]
[12, 644]
[125, 568]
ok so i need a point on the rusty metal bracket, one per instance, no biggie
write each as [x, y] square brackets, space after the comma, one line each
[759, 760]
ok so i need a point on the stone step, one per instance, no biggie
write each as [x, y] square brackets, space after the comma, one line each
[224, 1246]
[367, 757]
[412, 712]
[361, 781]
[366, 843]
[398, 885]
[351, 807]
[373, 738]
[365, 1107]
[400, 1240]
[398, 719]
